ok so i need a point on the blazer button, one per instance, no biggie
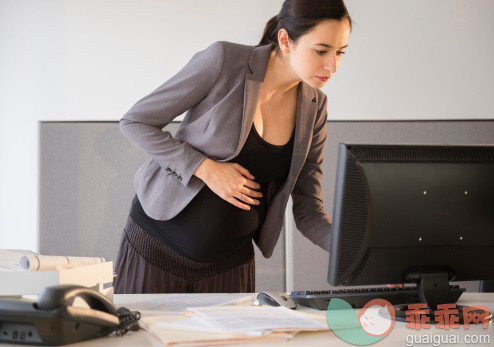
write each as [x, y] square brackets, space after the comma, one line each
[168, 169]
[174, 173]
[179, 178]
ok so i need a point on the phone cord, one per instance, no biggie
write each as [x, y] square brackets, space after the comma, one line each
[129, 320]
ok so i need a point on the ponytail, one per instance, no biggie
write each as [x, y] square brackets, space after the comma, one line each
[270, 34]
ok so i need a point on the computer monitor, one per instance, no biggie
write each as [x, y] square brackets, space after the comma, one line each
[419, 214]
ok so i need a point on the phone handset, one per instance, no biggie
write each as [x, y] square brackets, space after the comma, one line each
[60, 298]
[54, 297]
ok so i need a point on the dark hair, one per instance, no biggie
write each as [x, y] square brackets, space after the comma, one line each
[298, 17]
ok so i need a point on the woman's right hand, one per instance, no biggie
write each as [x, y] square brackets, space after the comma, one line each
[230, 181]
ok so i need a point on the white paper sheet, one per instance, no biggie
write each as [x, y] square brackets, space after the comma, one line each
[256, 320]
[190, 324]
[180, 302]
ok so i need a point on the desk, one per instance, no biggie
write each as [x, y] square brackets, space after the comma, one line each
[397, 337]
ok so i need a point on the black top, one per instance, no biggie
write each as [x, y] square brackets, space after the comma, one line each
[209, 227]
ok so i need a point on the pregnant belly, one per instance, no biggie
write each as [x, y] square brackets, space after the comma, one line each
[210, 227]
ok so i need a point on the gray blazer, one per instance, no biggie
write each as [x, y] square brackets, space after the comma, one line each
[219, 88]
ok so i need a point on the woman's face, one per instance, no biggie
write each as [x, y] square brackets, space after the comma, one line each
[317, 54]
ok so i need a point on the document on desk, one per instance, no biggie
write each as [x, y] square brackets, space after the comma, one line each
[254, 321]
[180, 302]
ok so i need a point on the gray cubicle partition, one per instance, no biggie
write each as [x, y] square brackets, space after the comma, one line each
[86, 186]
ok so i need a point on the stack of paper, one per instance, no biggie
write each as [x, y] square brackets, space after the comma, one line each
[178, 338]
[237, 324]
[95, 276]
[256, 321]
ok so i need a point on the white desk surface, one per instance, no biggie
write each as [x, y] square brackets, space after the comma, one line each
[397, 337]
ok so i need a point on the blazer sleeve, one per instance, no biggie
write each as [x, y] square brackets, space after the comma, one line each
[143, 123]
[308, 209]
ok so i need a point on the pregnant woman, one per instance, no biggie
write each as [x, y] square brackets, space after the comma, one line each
[253, 134]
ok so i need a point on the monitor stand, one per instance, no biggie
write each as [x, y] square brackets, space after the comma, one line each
[433, 289]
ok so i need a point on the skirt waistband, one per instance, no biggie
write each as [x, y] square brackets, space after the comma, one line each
[167, 259]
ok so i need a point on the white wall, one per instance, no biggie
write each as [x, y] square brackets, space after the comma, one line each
[91, 60]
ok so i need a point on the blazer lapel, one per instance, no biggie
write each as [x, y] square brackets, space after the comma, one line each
[258, 64]
[304, 122]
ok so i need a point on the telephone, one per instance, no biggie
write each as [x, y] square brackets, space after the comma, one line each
[53, 320]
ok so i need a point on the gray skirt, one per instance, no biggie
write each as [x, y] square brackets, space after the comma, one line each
[146, 265]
